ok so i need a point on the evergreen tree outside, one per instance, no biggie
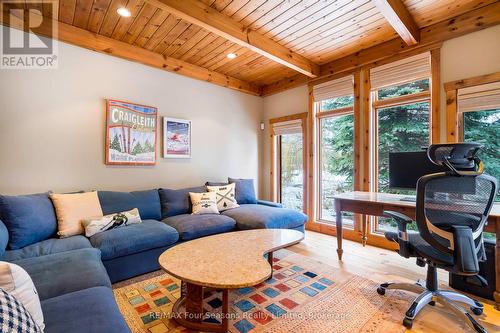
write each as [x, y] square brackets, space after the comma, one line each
[484, 127]
[292, 187]
[115, 144]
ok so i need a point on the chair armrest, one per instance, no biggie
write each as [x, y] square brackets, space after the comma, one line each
[269, 203]
[402, 220]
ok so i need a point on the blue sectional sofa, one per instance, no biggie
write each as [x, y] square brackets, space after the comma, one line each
[73, 275]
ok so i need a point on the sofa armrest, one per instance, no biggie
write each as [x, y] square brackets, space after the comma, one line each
[4, 238]
[269, 203]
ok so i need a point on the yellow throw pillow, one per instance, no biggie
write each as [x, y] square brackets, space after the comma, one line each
[72, 209]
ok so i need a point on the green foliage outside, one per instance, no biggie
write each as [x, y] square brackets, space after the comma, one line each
[484, 127]
[292, 171]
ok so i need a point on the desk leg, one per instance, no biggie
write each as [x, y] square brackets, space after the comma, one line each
[496, 293]
[364, 229]
[338, 224]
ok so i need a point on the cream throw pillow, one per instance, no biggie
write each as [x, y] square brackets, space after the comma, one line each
[111, 221]
[204, 203]
[225, 196]
[16, 281]
[72, 209]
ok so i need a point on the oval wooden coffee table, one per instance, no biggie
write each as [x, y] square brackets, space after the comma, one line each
[227, 261]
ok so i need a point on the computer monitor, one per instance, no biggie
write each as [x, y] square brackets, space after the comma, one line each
[405, 168]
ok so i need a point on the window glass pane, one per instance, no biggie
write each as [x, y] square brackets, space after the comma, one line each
[336, 103]
[292, 181]
[484, 127]
[400, 128]
[337, 163]
[404, 89]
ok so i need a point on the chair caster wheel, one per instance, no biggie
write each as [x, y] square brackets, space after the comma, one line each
[477, 311]
[381, 290]
[408, 323]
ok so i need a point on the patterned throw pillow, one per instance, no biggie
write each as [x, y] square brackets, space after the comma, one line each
[111, 221]
[17, 282]
[14, 318]
[204, 203]
[225, 196]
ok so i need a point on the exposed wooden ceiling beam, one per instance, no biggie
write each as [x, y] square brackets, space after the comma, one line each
[475, 20]
[86, 39]
[400, 19]
[212, 20]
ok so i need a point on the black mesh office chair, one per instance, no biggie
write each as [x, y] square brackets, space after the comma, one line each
[451, 211]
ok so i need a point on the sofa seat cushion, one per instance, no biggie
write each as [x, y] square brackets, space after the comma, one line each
[134, 238]
[196, 226]
[65, 272]
[89, 310]
[147, 202]
[49, 246]
[266, 217]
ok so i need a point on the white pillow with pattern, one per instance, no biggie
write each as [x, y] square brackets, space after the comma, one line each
[204, 203]
[17, 282]
[225, 196]
[111, 221]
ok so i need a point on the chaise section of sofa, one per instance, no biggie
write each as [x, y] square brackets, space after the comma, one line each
[265, 216]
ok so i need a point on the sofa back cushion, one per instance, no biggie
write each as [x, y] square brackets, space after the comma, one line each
[148, 203]
[245, 191]
[177, 202]
[29, 218]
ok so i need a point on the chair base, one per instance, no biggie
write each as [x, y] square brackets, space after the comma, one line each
[447, 298]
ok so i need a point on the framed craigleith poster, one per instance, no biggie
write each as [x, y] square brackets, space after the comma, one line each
[130, 133]
[176, 138]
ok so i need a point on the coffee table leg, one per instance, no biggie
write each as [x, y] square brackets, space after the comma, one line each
[270, 257]
[225, 310]
[194, 302]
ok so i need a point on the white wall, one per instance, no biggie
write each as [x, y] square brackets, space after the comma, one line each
[471, 55]
[52, 126]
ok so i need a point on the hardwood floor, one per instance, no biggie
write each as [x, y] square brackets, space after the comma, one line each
[382, 265]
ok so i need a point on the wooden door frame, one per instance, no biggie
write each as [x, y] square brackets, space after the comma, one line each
[303, 117]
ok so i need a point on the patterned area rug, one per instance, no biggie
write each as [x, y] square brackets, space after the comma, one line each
[304, 295]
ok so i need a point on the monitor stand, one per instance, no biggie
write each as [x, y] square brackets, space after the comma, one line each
[409, 199]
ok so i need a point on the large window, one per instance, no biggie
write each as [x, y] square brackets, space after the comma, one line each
[401, 123]
[336, 155]
[484, 127]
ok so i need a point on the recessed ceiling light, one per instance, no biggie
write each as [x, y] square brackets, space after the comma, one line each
[122, 11]
[231, 55]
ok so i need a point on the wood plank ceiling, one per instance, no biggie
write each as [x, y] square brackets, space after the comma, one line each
[319, 30]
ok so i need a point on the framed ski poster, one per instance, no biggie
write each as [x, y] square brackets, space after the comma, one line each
[176, 138]
[130, 133]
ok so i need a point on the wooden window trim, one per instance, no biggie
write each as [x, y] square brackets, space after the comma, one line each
[454, 117]
[275, 189]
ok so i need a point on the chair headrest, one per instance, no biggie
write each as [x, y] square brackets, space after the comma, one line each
[458, 157]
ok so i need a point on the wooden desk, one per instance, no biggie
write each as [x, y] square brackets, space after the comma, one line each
[373, 203]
